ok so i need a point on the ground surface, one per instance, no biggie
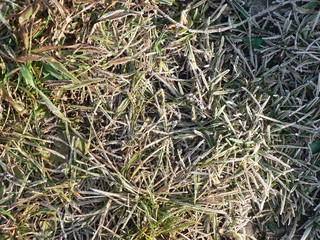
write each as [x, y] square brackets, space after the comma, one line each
[159, 119]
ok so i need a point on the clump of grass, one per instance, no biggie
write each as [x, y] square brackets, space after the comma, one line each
[159, 120]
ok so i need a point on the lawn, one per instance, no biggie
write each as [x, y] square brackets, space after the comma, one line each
[159, 119]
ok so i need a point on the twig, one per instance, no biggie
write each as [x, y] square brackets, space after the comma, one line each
[222, 29]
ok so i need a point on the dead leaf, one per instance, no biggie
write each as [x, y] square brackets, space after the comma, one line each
[50, 48]
[28, 13]
[17, 105]
[32, 58]
[120, 60]
[25, 14]
[62, 9]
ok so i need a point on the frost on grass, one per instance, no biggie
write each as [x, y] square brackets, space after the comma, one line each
[169, 120]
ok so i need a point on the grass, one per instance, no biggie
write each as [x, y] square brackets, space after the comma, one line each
[159, 120]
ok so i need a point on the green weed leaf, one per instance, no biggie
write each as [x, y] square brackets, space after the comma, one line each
[256, 42]
[315, 147]
[27, 75]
